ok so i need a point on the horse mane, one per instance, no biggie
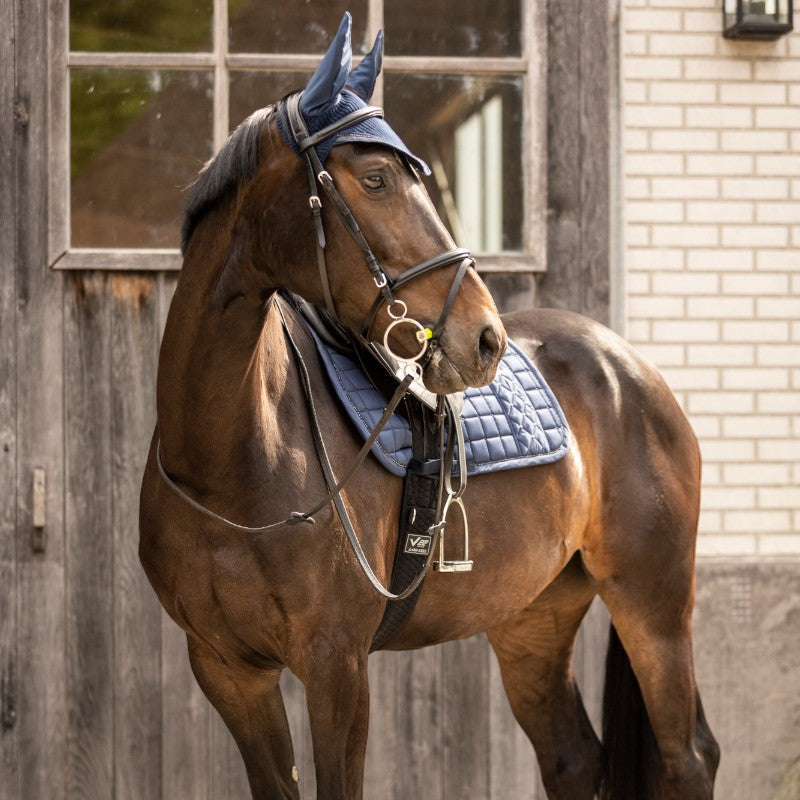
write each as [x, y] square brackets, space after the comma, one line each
[235, 162]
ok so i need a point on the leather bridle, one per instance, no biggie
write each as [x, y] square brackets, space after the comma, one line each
[319, 177]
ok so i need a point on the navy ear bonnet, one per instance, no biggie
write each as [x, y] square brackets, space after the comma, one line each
[334, 91]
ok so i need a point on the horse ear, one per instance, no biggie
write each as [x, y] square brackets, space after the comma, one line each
[331, 75]
[362, 78]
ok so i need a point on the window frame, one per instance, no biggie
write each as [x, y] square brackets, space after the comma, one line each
[531, 66]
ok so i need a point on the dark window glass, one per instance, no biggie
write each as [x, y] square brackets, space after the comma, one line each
[250, 91]
[159, 26]
[469, 130]
[453, 27]
[137, 139]
[293, 26]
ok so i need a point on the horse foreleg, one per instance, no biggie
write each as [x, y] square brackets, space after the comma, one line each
[337, 694]
[534, 650]
[250, 703]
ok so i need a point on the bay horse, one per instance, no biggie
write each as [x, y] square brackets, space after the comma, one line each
[616, 517]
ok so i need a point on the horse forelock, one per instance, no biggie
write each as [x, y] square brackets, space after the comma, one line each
[236, 162]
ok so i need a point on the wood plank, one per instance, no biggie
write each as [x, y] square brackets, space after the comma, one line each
[294, 698]
[137, 612]
[228, 779]
[589, 660]
[420, 716]
[90, 600]
[41, 709]
[465, 717]
[513, 769]
[185, 711]
[381, 773]
[9, 665]
[577, 177]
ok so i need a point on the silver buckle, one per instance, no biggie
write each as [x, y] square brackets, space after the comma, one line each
[315, 202]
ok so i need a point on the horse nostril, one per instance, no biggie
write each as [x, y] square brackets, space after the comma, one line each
[489, 345]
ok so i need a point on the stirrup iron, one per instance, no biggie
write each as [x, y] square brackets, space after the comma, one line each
[465, 564]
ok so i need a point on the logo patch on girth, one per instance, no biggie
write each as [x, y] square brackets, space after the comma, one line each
[418, 544]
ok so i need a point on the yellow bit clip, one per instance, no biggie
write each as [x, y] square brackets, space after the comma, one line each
[424, 335]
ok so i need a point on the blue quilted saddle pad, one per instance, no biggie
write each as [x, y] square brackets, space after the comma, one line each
[515, 421]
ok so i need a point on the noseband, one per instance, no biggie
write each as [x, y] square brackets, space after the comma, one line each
[319, 177]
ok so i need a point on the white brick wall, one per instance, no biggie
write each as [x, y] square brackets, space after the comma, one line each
[711, 140]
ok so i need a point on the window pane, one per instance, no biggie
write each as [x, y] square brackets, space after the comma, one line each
[469, 130]
[138, 138]
[453, 27]
[257, 26]
[250, 91]
[160, 26]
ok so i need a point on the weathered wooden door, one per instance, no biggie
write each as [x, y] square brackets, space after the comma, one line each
[96, 696]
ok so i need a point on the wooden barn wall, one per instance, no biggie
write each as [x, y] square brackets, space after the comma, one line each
[96, 696]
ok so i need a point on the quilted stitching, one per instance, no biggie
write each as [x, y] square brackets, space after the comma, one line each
[515, 421]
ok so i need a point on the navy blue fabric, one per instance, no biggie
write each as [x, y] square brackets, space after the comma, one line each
[515, 421]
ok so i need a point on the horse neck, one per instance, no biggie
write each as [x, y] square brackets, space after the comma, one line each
[223, 365]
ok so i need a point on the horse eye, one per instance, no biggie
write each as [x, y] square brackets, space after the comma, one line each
[374, 182]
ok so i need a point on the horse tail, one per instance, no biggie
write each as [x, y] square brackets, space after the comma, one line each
[630, 751]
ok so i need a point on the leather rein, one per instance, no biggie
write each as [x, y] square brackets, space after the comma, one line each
[428, 339]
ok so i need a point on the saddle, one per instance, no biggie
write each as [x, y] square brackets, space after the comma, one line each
[513, 422]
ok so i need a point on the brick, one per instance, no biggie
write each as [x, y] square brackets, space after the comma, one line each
[690, 379]
[686, 283]
[755, 142]
[650, 68]
[719, 164]
[654, 211]
[779, 449]
[663, 258]
[779, 403]
[779, 497]
[706, 426]
[787, 213]
[637, 235]
[752, 94]
[685, 141]
[637, 283]
[778, 354]
[752, 50]
[710, 521]
[778, 307]
[755, 378]
[721, 402]
[683, 92]
[719, 117]
[709, 545]
[755, 236]
[634, 44]
[794, 94]
[712, 474]
[783, 260]
[769, 425]
[720, 211]
[683, 44]
[777, 69]
[683, 3]
[635, 139]
[755, 331]
[717, 69]
[704, 21]
[780, 165]
[684, 188]
[756, 474]
[723, 498]
[755, 188]
[794, 141]
[795, 284]
[685, 331]
[663, 355]
[654, 164]
[777, 545]
[652, 307]
[726, 450]
[718, 258]
[685, 235]
[634, 91]
[784, 117]
[646, 19]
[758, 520]
[755, 284]
[653, 116]
[637, 188]
[638, 330]
[719, 307]
[720, 354]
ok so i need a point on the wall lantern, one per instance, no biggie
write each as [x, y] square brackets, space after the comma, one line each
[756, 19]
